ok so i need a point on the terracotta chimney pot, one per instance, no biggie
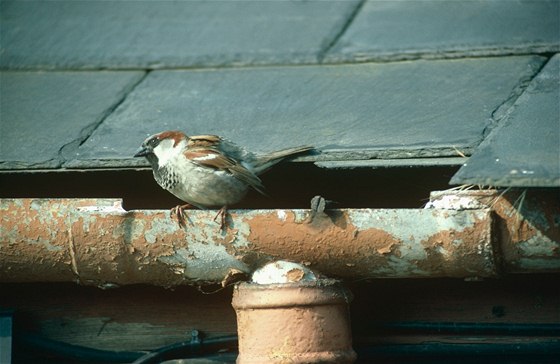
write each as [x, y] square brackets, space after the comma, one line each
[300, 322]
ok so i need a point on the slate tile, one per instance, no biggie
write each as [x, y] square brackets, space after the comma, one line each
[524, 150]
[157, 34]
[395, 110]
[388, 30]
[46, 114]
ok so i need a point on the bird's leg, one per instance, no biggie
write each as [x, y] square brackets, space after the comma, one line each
[222, 213]
[179, 212]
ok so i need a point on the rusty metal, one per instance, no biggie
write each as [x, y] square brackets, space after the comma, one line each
[96, 242]
[527, 224]
[303, 322]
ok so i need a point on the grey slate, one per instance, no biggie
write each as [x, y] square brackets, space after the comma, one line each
[47, 114]
[67, 34]
[351, 112]
[524, 150]
[393, 163]
[389, 30]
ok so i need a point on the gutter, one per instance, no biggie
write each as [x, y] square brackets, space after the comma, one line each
[461, 234]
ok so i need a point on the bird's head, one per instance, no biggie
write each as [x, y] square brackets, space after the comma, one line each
[160, 148]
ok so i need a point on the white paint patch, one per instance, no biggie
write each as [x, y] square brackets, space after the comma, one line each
[102, 209]
[539, 246]
[413, 225]
[203, 262]
[160, 227]
[279, 272]
[204, 256]
[455, 202]
[281, 214]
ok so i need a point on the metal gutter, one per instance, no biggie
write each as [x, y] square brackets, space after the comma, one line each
[97, 242]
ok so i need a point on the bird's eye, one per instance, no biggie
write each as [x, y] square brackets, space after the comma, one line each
[153, 142]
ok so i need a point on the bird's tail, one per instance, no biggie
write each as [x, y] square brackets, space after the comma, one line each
[266, 161]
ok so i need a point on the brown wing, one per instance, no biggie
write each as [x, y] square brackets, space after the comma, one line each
[204, 141]
[207, 157]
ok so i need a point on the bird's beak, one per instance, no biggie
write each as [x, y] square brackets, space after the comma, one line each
[142, 152]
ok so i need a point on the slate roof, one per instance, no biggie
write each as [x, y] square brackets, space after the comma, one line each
[369, 83]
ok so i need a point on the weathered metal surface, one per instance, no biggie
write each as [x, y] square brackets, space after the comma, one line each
[527, 224]
[96, 242]
[367, 243]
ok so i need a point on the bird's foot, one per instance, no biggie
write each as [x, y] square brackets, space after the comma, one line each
[179, 213]
[222, 214]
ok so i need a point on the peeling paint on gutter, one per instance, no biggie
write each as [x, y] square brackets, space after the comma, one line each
[97, 242]
[369, 243]
[527, 225]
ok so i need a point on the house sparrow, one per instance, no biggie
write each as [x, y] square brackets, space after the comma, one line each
[207, 171]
